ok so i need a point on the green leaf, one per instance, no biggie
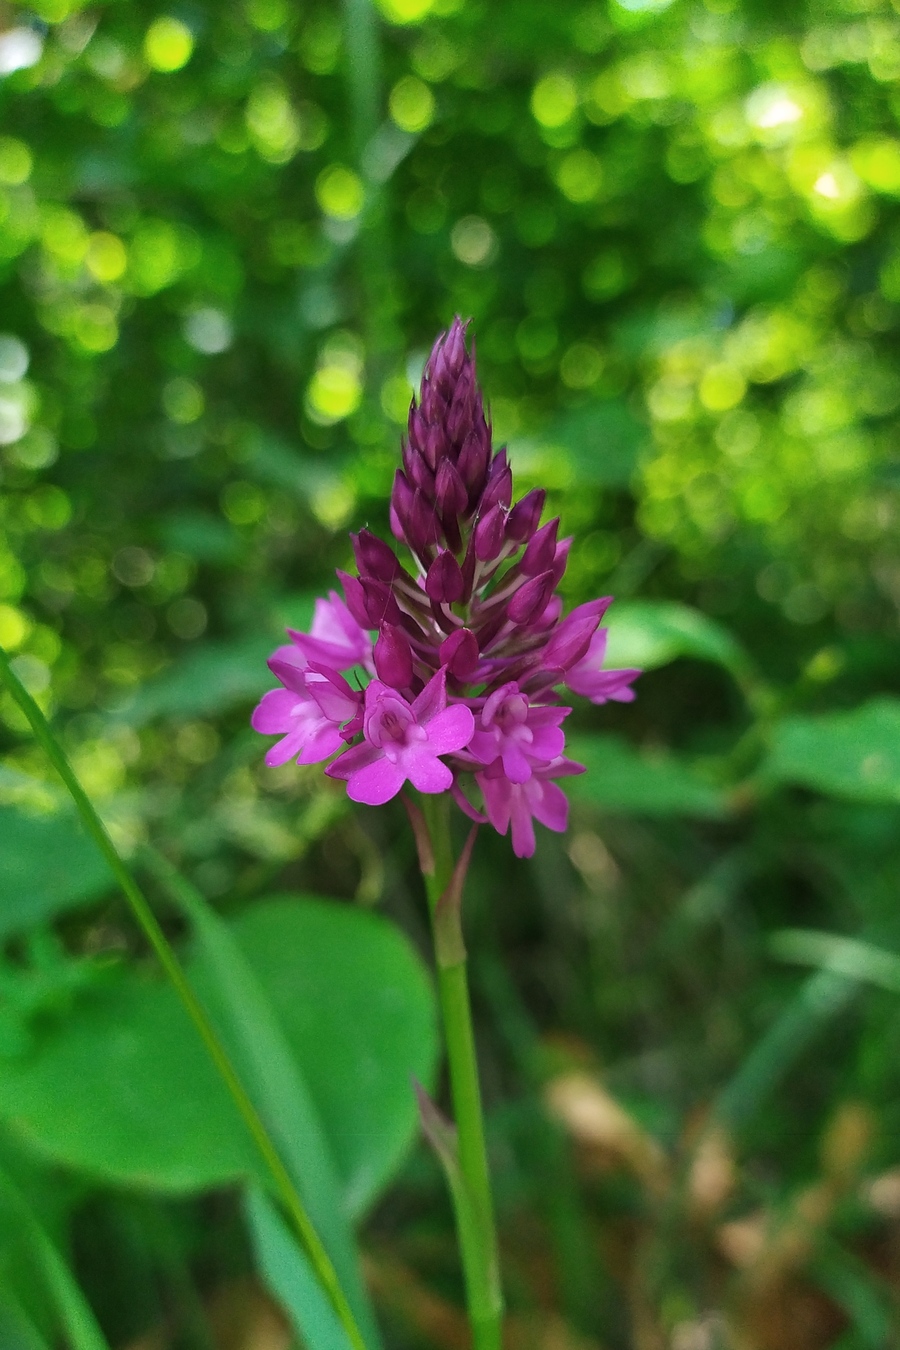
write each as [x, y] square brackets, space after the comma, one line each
[621, 778]
[287, 1273]
[123, 1088]
[49, 865]
[243, 1011]
[59, 1291]
[208, 682]
[651, 633]
[850, 957]
[848, 754]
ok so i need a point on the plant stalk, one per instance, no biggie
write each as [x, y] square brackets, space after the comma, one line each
[475, 1220]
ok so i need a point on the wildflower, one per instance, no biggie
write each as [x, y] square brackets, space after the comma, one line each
[404, 741]
[308, 713]
[467, 646]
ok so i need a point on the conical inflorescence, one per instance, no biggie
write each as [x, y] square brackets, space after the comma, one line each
[467, 648]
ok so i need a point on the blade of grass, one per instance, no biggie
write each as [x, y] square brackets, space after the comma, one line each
[288, 1275]
[819, 999]
[846, 956]
[250, 1025]
[306, 1232]
[71, 1309]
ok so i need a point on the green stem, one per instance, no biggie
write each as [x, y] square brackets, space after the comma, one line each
[309, 1238]
[475, 1222]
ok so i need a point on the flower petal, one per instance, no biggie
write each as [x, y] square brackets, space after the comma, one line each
[285, 749]
[433, 698]
[274, 712]
[426, 772]
[322, 743]
[551, 807]
[377, 783]
[449, 730]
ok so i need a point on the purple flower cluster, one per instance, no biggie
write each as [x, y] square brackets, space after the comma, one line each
[470, 647]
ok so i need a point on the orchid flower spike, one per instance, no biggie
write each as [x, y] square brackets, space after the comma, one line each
[465, 645]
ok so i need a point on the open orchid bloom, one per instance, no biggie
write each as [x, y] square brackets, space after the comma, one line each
[468, 647]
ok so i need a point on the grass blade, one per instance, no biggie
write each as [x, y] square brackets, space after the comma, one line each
[267, 1064]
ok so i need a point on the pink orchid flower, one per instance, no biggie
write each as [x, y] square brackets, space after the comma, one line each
[600, 686]
[523, 736]
[520, 804]
[335, 639]
[404, 741]
[308, 713]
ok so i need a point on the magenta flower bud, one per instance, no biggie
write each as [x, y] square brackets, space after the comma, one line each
[530, 599]
[524, 517]
[422, 527]
[573, 637]
[488, 539]
[449, 357]
[381, 606]
[444, 583]
[417, 471]
[393, 657]
[474, 459]
[499, 489]
[560, 559]
[459, 653]
[375, 558]
[356, 598]
[451, 497]
[541, 551]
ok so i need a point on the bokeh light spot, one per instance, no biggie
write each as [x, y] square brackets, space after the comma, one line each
[411, 104]
[340, 192]
[168, 44]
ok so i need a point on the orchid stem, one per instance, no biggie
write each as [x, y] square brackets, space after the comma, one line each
[477, 1235]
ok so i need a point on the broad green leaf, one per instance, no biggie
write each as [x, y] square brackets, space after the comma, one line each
[47, 865]
[211, 680]
[288, 1274]
[651, 633]
[123, 1089]
[620, 778]
[847, 754]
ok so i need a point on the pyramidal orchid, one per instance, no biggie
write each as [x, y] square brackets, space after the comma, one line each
[448, 670]
[467, 649]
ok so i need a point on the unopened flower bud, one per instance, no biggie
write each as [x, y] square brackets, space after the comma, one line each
[572, 638]
[451, 497]
[474, 458]
[417, 471]
[444, 583]
[422, 527]
[459, 653]
[393, 657]
[530, 599]
[561, 558]
[381, 606]
[524, 517]
[541, 551]
[356, 598]
[499, 487]
[489, 531]
[375, 558]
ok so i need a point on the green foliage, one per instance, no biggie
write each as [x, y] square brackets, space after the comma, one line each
[228, 235]
[853, 754]
[130, 1059]
[619, 779]
[49, 866]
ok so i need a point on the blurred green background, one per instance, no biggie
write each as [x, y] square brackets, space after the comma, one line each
[229, 234]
